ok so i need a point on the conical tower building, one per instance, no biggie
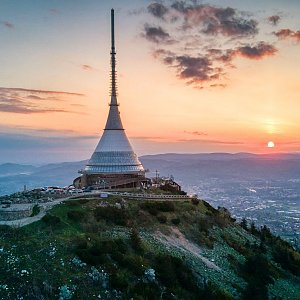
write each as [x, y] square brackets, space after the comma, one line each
[113, 163]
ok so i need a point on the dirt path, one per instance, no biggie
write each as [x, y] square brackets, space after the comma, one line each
[25, 221]
[178, 240]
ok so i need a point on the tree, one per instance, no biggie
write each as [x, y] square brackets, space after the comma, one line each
[244, 224]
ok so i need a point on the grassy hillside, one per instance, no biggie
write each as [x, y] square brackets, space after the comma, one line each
[116, 249]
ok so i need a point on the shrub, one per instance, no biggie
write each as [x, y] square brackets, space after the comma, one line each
[35, 210]
[134, 263]
[7, 232]
[119, 280]
[253, 229]
[203, 238]
[75, 215]
[72, 203]
[162, 219]
[173, 190]
[257, 273]
[204, 224]
[112, 214]
[175, 221]
[91, 255]
[153, 211]
[209, 207]
[163, 206]
[173, 272]
[195, 201]
[220, 220]
[83, 201]
[244, 224]
[51, 220]
[287, 257]
[136, 241]
[80, 243]
[101, 251]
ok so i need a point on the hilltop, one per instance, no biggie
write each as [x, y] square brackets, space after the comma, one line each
[264, 188]
[92, 248]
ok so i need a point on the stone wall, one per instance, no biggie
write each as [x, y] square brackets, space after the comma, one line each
[9, 214]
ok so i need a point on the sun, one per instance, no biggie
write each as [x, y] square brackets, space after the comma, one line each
[271, 144]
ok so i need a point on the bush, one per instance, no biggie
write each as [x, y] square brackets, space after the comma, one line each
[112, 214]
[7, 232]
[134, 263]
[51, 220]
[35, 210]
[175, 221]
[195, 201]
[153, 211]
[119, 280]
[72, 203]
[162, 219]
[101, 251]
[171, 189]
[204, 224]
[136, 241]
[163, 206]
[80, 243]
[287, 257]
[75, 215]
[244, 224]
[257, 273]
[209, 207]
[173, 272]
[83, 201]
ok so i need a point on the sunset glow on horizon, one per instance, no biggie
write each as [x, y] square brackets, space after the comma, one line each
[186, 84]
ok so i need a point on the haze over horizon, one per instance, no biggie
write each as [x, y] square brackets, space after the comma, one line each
[193, 78]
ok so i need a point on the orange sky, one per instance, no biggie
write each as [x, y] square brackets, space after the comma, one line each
[160, 111]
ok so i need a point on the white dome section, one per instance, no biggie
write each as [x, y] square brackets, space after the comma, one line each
[114, 140]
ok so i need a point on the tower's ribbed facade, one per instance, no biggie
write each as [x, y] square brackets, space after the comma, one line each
[113, 156]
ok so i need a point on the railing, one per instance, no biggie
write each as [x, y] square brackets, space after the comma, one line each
[150, 196]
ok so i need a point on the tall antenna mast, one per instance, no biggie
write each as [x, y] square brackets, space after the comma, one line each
[113, 59]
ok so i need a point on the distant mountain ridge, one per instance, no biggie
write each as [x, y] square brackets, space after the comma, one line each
[8, 169]
[187, 168]
[223, 156]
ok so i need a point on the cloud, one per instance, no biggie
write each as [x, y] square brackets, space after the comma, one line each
[30, 101]
[250, 51]
[23, 109]
[186, 43]
[7, 24]
[157, 35]
[196, 69]
[158, 10]
[274, 19]
[54, 10]
[4, 89]
[147, 138]
[87, 67]
[199, 133]
[211, 141]
[288, 34]
[14, 105]
[258, 51]
[213, 20]
[210, 66]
